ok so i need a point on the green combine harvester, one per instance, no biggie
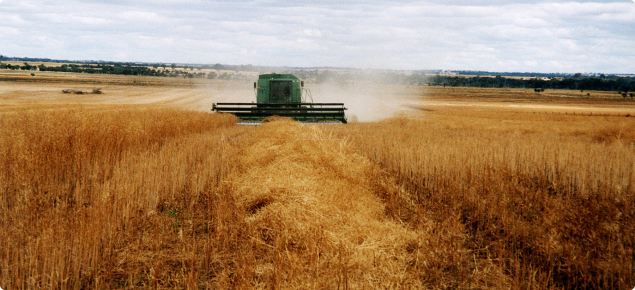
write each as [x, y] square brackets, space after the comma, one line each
[283, 95]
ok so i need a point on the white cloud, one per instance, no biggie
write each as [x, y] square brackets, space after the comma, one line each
[6, 32]
[496, 35]
[312, 32]
[140, 16]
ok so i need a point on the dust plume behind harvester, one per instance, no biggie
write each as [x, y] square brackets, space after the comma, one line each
[283, 95]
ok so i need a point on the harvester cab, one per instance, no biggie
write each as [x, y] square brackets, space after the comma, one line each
[283, 95]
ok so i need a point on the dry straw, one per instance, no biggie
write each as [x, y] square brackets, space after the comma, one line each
[133, 198]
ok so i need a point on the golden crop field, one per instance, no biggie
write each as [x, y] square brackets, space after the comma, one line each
[469, 188]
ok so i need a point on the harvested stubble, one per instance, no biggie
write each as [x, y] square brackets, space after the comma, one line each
[549, 200]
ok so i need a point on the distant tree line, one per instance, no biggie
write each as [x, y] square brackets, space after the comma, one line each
[512, 74]
[612, 83]
[129, 69]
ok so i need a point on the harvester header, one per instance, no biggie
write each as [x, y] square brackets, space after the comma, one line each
[283, 95]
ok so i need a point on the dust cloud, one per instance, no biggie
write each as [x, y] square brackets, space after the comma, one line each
[367, 102]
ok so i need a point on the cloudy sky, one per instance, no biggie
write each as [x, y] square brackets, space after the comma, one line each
[492, 35]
